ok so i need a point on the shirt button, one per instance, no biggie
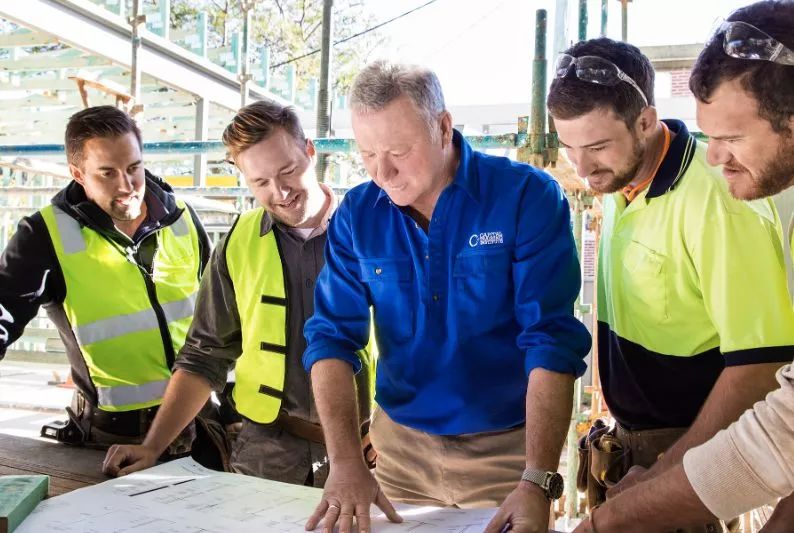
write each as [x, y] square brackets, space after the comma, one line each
[378, 271]
[427, 257]
[309, 283]
[435, 297]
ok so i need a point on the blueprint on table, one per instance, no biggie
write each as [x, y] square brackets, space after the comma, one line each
[184, 497]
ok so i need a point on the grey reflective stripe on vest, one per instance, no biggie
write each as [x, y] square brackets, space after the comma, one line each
[179, 227]
[131, 394]
[71, 237]
[117, 326]
[179, 309]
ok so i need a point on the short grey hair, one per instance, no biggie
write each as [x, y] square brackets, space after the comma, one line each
[382, 82]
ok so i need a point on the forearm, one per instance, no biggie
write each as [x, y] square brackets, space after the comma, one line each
[736, 390]
[662, 504]
[549, 404]
[335, 396]
[185, 396]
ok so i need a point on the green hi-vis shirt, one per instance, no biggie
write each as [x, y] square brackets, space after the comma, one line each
[690, 280]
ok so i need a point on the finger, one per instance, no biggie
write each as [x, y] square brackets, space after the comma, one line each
[331, 517]
[113, 460]
[140, 464]
[385, 505]
[363, 520]
[317, 515]
[346, 518]
[497, 523]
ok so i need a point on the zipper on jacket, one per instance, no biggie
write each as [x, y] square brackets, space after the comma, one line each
[151, 291]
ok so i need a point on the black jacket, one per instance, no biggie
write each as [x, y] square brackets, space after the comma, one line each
[30, 275]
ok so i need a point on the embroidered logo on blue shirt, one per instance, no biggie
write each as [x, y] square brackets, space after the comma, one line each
[482, 239]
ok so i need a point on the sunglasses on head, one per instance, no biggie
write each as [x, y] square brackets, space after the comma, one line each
[744, 41]
[594, 69]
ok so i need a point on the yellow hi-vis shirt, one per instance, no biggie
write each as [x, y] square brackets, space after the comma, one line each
[690, 280]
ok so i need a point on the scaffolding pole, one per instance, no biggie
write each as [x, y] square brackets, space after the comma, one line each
[323, 93]
[604, 17]
[245, 64]
[135, 20]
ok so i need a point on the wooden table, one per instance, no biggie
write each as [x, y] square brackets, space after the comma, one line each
[69, 467]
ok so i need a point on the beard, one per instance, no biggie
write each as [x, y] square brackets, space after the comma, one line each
[775, 177]
[621, 177]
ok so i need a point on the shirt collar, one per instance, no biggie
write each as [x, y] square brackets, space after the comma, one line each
[466, 176]
[676, 162]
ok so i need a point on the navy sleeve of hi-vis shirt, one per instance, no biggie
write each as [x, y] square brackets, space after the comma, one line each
[29, 278]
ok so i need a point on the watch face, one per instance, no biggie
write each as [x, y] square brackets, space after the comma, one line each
[556, 486]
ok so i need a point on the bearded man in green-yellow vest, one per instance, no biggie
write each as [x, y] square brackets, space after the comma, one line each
[115, 259]
[253, 302]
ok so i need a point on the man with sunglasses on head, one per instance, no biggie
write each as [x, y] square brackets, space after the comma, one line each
[744, 85]
[684, 346]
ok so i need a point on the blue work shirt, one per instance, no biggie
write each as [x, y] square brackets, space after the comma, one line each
[464, 312]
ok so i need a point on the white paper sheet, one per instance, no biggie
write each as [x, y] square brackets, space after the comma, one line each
[184, 497]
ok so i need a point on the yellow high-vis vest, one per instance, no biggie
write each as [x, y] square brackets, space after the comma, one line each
[257, 273]
[123, 317]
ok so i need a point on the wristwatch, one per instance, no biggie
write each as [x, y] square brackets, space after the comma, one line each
[551, 482]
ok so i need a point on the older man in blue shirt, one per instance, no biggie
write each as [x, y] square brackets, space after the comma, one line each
[469, 264]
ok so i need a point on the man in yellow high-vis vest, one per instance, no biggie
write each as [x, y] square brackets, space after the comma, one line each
[253, 302]
[116, 261]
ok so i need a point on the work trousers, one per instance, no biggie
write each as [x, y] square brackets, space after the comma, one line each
[467, 471]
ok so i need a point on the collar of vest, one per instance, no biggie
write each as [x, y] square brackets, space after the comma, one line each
[267, 224]
[73, 201]
[676, 161]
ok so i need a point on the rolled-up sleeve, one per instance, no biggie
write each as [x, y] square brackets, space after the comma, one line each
[341, 322]
[752, 462]
[547, 281]
[214, 340]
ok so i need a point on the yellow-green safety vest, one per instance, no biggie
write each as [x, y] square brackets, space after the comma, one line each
[122, 316]
[257, 273]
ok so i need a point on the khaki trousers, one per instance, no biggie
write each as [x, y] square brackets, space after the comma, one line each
[467, 471]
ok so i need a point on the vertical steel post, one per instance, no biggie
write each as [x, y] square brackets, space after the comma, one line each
[202, 134]
[201, 31]
[165, 18]
[582, 20]
[560, 33]
[572, 444]
[323, 96]
[245, 74]
[604, 17]
[537, 132]
[136, 19]
[624, 12]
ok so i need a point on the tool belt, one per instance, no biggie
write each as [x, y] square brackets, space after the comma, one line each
[607, 453]
[92, 427]
[314, 433]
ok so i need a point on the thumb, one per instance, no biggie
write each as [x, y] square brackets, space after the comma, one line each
[497, 523]
[136, 465]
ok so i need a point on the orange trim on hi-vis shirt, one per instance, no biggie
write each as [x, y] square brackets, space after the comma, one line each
[631, 191]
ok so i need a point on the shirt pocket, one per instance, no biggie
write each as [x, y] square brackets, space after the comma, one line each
[391, 283]
[483, 282]
[645, 283]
